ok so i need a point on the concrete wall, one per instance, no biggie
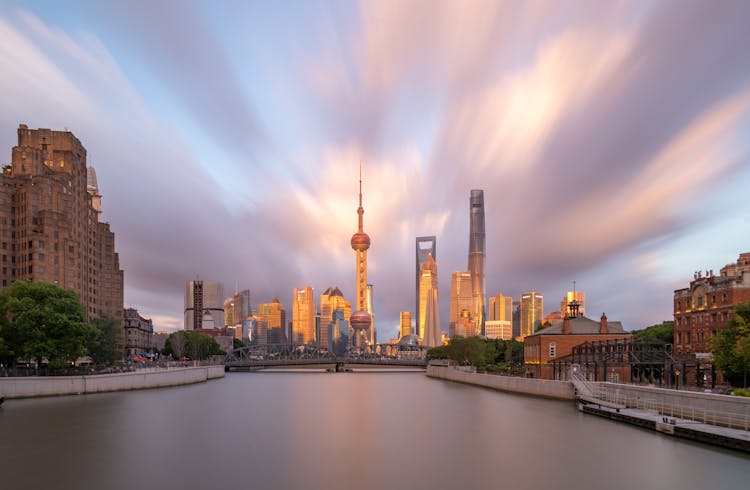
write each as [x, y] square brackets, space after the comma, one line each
[527, 386]
[32, 386]
[687, 401]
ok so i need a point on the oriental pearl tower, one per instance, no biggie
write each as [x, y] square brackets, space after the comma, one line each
[361, 319]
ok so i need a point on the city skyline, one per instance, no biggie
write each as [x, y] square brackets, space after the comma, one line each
[611, 144]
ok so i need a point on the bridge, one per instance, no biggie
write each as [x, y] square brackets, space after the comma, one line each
[257, 357]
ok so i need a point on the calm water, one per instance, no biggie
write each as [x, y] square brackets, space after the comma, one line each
[353, 430]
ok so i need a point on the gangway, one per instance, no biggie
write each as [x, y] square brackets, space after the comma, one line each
[587, 393]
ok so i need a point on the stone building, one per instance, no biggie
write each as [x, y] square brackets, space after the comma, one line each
[139, 333]
[703, 308]
[50, 222]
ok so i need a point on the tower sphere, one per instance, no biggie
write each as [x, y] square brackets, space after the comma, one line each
[360, 320]
[360, 241]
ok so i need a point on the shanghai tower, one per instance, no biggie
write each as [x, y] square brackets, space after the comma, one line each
[476, 258]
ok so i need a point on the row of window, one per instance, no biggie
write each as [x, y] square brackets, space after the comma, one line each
[702, 318]
[699, 302]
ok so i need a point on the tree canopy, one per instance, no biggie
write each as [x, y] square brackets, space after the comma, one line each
[42, 321]
[731, 347]
[105, 345]
[195, 345]
[484, 354]
[661, 332]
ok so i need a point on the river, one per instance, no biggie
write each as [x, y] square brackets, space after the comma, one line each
[309, 430]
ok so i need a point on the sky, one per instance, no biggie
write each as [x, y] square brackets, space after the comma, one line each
[611, 139]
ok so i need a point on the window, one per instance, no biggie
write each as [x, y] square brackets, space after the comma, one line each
[552, 349]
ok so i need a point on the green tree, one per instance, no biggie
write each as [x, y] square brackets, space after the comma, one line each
[731, 347]
[42, 321]
[195, 345]
[105, 346]
[661, 332]
[237, 344]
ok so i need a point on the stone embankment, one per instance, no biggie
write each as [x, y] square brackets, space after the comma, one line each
[33, 386]
[562, 390]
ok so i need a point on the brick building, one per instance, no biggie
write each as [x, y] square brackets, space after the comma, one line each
[703, 308]
[50, 222]
[545, 346]
[139, 333]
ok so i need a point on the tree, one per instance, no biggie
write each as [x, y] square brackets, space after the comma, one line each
[661, 332]
[731, 347]
[105, 346]
[195, 345]
[175, 345]
[237, 344]
[42, 321]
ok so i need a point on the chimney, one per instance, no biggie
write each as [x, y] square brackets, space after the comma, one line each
[603, 324]
[566, 324]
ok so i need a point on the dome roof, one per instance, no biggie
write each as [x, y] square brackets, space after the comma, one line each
[360, 241]
[410, 339]
[360, 320]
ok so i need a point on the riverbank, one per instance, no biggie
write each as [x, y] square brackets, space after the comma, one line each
[561, 390]
[36, 386]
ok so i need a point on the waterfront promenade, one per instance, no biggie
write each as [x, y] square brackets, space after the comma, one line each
[154, 377]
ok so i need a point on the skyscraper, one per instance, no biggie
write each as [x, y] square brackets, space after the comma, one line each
[532, 312]
[275, 315]
[50, 222]
[425, 245]
[331, 300]
[361, 320]
[476, 257]
[499, 324]
[461, 299]
[404, 324]
[432, 319]
[428, 281]
[204, 305]
[303, 316]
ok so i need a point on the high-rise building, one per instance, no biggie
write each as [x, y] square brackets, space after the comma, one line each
[427, 282]
[500, 307]
[432, 336]
[569, 297]
[50, 222]
[204, 305]
[275, 315]
[404, 324]
[532, 312]
[425, 245]
[361, 320]
[477, 257]
[516, 319]
[338, 340]
[371, 332]
[500, 314]
[303, 316]
[331, 300]
[462, 300]
[237, 310]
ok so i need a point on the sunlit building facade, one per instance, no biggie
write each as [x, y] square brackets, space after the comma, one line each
[204, 305]
[275, 316]
[570, 296]
[427, 282]
[432, 337]
[425, 245]
[477, 258]
[50, 222]
[405, 327]
[331, 300]
[462, 299]
[498, 329]
[531, 312]
[303, 316]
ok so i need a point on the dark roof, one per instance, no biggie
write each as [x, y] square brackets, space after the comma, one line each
[582, 326]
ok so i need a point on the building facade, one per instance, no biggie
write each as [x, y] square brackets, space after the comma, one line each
[405, 327]
[427, 281]
[139, 333]
[570, 296]
[50, 222]
[331, 299]
[498, 329]
[703, 308]
[303, 316]
[275, 315]
[542, 349]
[531, 308]
[424, 246]
[477, 258]
[204, 305]
[462, 300]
